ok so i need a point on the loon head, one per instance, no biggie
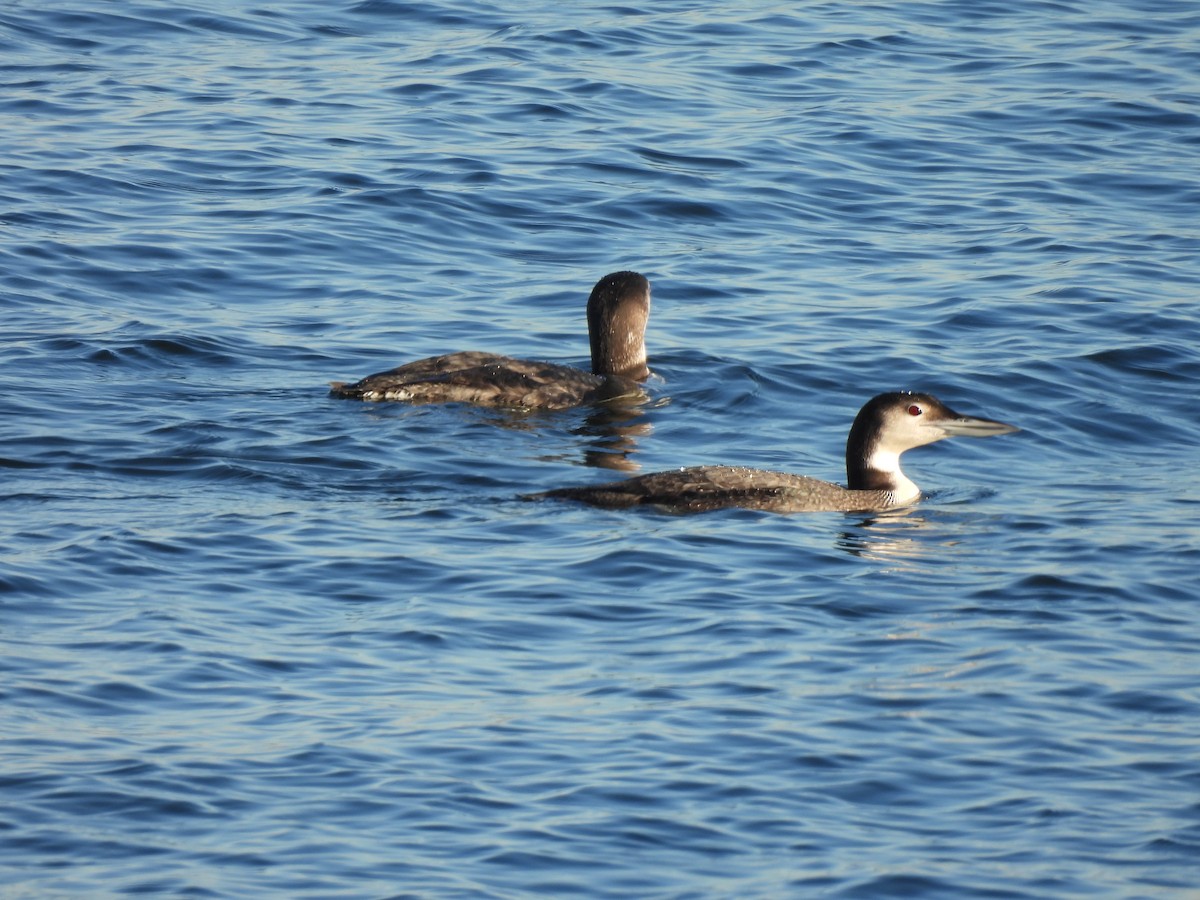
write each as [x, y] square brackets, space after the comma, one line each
[617, 313]
[891, 423]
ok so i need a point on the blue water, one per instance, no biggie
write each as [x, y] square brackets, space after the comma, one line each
[255, 641]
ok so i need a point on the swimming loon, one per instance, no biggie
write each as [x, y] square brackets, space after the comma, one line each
[617, 312]
[884, 428]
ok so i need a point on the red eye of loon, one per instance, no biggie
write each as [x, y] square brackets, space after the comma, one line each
[915, 410]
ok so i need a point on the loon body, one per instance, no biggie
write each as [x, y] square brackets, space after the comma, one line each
[617, 312]
[885, 427]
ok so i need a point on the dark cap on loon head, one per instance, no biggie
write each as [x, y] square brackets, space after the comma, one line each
[617, 313]
[888, 424]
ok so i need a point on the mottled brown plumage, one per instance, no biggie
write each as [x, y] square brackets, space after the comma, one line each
[701, 488]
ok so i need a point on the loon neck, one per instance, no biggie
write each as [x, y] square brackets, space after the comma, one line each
[618, 347]
[880, 471]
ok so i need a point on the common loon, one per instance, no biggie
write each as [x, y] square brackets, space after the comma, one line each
[617, 312]
[884, 428]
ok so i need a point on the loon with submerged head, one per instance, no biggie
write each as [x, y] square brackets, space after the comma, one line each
[884, 428]
[617, 312]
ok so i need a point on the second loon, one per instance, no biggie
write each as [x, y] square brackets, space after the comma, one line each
[884, 428]
[617, 312]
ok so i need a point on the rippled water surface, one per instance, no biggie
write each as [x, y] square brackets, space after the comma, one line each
[260, 642]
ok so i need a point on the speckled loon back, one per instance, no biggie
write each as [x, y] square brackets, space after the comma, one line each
[703, 488]
[486, 379]
[480, 378]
